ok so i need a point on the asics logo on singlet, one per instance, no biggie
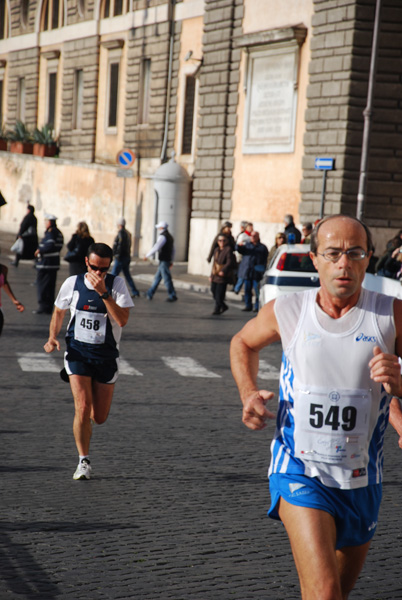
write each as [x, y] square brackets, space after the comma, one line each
[311, 338]
[366, 338]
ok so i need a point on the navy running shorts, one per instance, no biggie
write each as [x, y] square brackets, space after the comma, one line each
[355, 511]
[105, 371]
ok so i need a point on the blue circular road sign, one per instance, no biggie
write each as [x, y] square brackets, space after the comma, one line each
[125, 158]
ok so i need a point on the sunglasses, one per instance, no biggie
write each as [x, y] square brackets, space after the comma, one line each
[100, 269]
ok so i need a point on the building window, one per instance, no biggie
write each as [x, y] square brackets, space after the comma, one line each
[24, 8]
[78, 98]
[52, 15]
[51, 98]
[113, 8]
[3, 20]
[188, 116]
[113, 92]
[145, 92]
[21, 99]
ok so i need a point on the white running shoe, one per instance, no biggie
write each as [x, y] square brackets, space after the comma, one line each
[83, 471]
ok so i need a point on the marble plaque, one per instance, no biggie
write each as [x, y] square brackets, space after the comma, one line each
[271, 101]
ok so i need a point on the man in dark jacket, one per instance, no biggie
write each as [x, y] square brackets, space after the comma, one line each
[164, 246]
[290, 229]
[48, 263]
[251, 268]
[122, 255]
[28, 233]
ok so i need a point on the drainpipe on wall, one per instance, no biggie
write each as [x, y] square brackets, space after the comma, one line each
[368, 111]
[171, 18]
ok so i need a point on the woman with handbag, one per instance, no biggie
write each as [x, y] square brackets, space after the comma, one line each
[222, 273]
[27, 237]
[77, 249]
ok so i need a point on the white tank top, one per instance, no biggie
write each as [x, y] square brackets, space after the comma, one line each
[332, 417]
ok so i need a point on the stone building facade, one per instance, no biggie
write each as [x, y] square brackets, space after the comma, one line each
[337, 95]
[246, 93]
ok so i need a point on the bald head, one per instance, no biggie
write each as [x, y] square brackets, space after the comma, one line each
[328, 222]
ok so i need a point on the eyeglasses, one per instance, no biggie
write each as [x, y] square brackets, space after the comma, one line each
[352, 254]
[100, 269]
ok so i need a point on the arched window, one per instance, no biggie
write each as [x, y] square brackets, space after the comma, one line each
[3, 20]
[113, 8]
[24, 12]
[52, 14]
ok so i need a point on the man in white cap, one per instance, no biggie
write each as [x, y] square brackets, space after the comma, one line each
[122, 255]
[47, 265]
[165, 247]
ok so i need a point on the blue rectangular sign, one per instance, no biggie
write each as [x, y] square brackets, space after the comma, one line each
[324, 164]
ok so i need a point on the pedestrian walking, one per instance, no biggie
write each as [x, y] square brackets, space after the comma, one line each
[222, 273]
[7, 288]
[340, 374]
[252, 268]
[226, 230]
[164, 246]
[47, 265]
[99, 306]
[293, 235]
[307, 230]
[280, 239]
[28, 233]
[243, 237]
[122, 255]
[78, 248]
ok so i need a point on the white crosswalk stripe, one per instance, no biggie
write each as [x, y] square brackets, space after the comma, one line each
[126, 369]
[38, 361]
[267, 371]
[187, 367]
[183, 365]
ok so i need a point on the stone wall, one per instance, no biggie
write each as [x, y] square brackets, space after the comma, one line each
[337, 96]
[150, 42]
[23, 64]
[218, 98]
[80, 54]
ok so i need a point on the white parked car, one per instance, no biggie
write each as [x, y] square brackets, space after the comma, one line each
[292, 270]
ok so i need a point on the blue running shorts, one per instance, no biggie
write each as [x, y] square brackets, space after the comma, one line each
[355, 511]
[105, 371]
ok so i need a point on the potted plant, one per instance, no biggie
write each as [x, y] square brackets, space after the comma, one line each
[44, 142]
[21, 139]
[3, 139]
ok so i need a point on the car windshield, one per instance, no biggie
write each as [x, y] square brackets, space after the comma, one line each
[296, 262]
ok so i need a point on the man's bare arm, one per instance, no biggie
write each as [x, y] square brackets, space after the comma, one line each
[386, 369]
[54, 329]
[395, 418]
[244, 356]
[119, 313]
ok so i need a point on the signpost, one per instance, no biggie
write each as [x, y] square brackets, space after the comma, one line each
[324, 165]
[125, 159]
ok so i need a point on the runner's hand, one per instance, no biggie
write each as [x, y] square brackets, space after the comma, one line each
[255, 412]
[385, 369]
[51, 344]
[97, 281]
